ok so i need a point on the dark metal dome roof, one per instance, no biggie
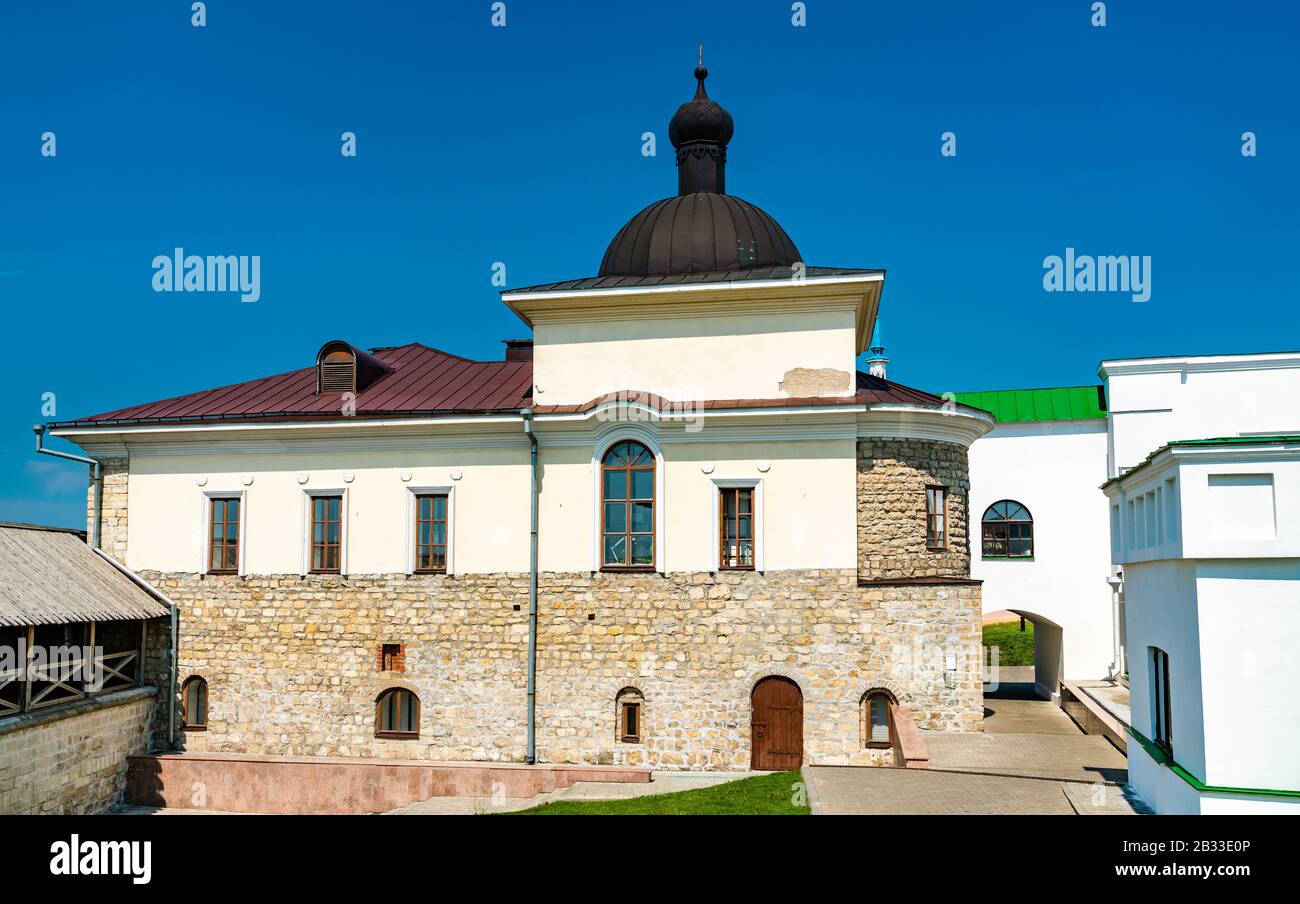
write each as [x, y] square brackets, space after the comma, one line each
[697, 233]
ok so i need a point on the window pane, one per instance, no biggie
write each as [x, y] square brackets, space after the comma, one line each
[440, 533]
[232, 531]
[746, 553]
[746, 498]
[440, 508]
[728, 503]
[439, 559]
[643, 516]
[643, 484]
[630, 717]
[332, 533]
[1020, 548]
[615, 549]
[746, 529]
[642, 546]
[615, 484]
[422, 535]
[232, 553]
[232, 510]
[615, 517]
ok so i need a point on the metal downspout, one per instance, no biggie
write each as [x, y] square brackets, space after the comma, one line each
[531, 756]
[95, 537]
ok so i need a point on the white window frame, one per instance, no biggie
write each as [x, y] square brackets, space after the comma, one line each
[412, 494]
[755, 484]
[598, 514]
[205, 534]
[304, 568]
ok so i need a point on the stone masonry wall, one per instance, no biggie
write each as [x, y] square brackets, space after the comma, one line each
[291, 661]
[113, 516]
[72, 761]
[892, 478]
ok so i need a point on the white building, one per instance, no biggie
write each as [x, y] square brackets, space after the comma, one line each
[1208, 535]
[1052, 448]
[1042, 546]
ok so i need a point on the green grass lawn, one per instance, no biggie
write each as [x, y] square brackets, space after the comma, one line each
[762, 795]
[1014, 646]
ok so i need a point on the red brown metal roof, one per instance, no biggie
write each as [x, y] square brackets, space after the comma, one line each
[424, 381]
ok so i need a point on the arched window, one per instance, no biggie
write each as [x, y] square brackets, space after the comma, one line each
[397, 714]
[631, 710]
[1008, 531]
[875, 718]
[194, 704]
[628, 507]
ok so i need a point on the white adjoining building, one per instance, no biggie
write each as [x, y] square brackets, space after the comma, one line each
[1042, 548]
[1208, 535]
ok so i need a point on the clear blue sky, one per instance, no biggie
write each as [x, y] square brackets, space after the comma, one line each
[522, 144]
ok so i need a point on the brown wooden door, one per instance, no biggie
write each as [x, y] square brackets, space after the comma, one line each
[776, 725]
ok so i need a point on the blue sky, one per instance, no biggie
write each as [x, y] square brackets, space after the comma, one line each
[522, 144]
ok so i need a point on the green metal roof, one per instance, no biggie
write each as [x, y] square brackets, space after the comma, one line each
[1066, 403]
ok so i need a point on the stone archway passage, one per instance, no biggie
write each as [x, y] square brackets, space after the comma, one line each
[776, 725]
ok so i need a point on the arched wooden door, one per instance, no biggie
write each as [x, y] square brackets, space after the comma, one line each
[776, 725]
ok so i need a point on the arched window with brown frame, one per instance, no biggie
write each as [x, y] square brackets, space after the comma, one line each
[1008, 531]
[630, 704]
[875, 718]
[627, 510]
[397, 714]
[194, 704]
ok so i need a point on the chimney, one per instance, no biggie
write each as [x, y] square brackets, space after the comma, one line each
[519, 349]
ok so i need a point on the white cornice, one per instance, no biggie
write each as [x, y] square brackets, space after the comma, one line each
[914, 422]
[1198, 364]
[683, 288]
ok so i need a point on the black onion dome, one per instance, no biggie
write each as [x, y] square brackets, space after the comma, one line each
[700, 119]
[698, 233]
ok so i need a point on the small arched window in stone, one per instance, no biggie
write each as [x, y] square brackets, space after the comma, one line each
[875, 718]
[194, 704]
[397, 714]
[631, 715]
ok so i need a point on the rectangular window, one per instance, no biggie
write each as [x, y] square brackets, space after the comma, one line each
[391, 658]
[223, 537]
[431, 533]
[936, 517]
[736, 528]
[1161, 710]
[326, 533]
[632, 722]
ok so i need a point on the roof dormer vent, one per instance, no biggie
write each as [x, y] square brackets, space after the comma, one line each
[341, 367]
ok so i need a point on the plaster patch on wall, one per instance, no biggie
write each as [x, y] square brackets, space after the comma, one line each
[806, 382]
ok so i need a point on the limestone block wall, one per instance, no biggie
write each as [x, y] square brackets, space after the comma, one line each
[72, 760]
[291, 661]
[113, 513]
[892, 478]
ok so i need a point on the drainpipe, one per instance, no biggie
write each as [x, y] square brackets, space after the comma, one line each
[532, 588]
[97, 475]
[96, 520]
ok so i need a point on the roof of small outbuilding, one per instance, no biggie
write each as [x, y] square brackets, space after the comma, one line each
[50, 576]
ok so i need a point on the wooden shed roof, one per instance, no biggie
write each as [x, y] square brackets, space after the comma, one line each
[50, 576]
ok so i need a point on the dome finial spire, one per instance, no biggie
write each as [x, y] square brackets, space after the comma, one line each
[700, 130]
